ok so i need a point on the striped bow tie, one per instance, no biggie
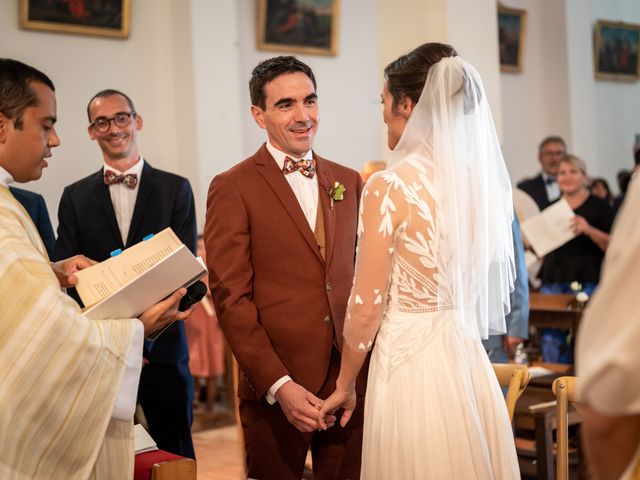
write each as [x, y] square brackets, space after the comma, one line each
[111, 178]
[304, 166]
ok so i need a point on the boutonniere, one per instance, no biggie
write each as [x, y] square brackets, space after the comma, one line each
[336, 193]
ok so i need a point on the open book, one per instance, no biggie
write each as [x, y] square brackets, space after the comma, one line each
[126, 285]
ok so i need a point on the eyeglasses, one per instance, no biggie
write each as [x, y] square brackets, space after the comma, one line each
[553, 153]
[121, 120]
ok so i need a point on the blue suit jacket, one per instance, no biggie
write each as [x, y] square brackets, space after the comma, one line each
[88, 226]
[36, 207]
[518, 319]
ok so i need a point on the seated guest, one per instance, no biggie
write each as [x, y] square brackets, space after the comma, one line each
[543, 188]
[600, 188]
[578, 260]
[36, 207]
[608, 357]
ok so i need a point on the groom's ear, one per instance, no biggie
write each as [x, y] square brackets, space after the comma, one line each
[257, 114]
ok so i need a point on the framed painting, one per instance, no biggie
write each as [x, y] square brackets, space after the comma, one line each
[298, 26]
[616, 46]
[512, 29]
[106, 18]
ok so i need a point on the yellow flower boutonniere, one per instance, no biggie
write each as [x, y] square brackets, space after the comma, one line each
[336, 193]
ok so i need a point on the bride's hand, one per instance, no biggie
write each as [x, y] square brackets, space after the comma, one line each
[341, 398]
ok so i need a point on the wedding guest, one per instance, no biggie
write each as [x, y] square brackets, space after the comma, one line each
[543, 188]
[600, 188]
[206, 344]
[578, 260]
[116, 207]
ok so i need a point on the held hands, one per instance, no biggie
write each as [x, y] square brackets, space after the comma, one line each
[300, 407]
[164, 312]
[580, 226]
[345, 398]
[65, 269]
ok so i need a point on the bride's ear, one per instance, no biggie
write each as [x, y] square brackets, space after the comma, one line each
[406, 107]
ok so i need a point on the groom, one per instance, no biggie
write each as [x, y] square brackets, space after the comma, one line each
[280, 242]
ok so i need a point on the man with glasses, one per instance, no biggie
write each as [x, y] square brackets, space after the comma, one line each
[114, 208]
[543, 188]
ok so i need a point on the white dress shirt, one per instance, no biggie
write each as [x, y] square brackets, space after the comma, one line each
[306, 191]
[551, 185]
[123, 198]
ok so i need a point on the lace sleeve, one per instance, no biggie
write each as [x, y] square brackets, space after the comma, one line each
[376, 234]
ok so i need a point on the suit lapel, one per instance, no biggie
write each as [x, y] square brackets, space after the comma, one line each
[269, 170]
[104, 198]
[144, 192]
[325, 181]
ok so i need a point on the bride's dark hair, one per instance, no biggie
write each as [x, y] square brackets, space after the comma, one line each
[406, 75]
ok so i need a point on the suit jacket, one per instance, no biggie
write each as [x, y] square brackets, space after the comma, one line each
[88, 226]
[279, 303]
[536, 188]
[36, 207]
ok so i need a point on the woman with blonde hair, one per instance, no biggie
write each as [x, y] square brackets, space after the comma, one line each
[580, 259]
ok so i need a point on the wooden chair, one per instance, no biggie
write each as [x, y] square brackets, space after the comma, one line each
[161, 465]
[565, 390]
[515, 377]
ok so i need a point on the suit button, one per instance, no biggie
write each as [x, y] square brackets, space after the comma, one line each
[329, 286]
[326, 319]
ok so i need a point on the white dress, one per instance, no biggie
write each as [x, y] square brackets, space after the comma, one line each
[433, 407]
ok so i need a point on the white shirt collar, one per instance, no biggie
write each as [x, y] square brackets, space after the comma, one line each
[279, 156]
[546, 177]
[137, 168]
[5, 177]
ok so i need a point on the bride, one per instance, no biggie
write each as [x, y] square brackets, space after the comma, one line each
[433, 275]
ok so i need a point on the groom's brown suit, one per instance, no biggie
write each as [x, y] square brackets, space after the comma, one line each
[280, 291]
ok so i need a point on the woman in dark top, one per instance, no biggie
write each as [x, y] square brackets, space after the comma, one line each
[580, 259]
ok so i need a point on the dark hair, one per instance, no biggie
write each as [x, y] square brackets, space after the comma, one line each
[16, 93]
[551, 139]
[406, 76]
[605, 184]
[266, 71]
[623, 177]
[109, 92]
[636, 157]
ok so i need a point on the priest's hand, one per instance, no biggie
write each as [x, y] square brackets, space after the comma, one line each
[65, 269]
[299, 406]
[164, 312]
[341, 398]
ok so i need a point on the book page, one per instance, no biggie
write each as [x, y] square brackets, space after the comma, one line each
[105, 278]
[550, 229]
[142, 441]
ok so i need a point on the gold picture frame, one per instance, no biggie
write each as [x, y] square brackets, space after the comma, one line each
[298, 26]
[616, 51]
[512, 31]
[110, 18]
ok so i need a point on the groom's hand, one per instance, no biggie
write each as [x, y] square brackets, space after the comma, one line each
[300, 407]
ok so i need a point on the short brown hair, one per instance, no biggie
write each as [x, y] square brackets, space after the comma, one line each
[551, 139]
[269, 69]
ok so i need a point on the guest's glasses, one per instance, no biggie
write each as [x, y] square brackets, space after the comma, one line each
[121, 120]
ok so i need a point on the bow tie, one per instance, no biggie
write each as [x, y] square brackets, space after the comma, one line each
[549, 181]
[111, 178]
[304, 166]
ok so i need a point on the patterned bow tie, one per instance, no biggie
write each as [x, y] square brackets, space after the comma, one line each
[304, 166]
[111, 178]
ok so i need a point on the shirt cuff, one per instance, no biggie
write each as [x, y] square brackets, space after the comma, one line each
[125, 405]
[270, 396]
